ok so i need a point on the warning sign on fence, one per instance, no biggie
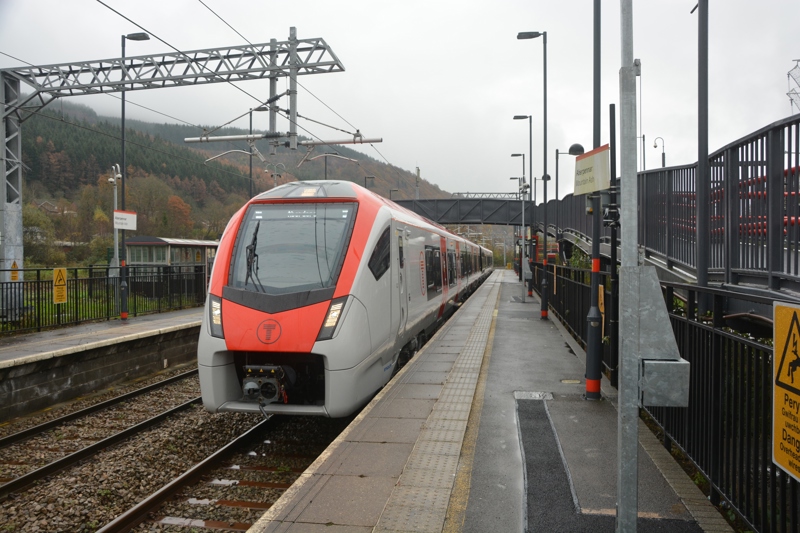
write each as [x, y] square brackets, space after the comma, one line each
[786, 389]
[59, 285]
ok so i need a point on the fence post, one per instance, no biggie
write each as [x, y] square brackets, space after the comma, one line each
[774, 207]
[732, 215]
[38, 298]
[714, 443]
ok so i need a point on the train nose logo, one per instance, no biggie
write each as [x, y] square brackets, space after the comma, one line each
[268, 331]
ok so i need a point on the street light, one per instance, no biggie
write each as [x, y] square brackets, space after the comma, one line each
[663, 156]
[545, 176]
[368, 178]
[523, 187]
[123, 314]
[575, 149]
[275, 174]
[524, 227]
[530, 150]
[115, 175]
[259, 108]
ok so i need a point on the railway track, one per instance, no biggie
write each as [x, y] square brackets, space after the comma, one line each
[183, 469]
[231, 489]
[28, 456]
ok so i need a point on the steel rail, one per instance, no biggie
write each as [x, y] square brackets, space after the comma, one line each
[41, 428]
[138, 513]
[49, 469]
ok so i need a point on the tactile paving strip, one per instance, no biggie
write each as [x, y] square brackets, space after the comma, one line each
[419, 501]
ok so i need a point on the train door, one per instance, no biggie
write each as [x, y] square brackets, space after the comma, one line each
[401, 291]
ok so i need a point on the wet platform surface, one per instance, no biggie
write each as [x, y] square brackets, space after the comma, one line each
[484, 430]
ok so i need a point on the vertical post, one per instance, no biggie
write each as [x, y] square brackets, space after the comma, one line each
[293, 68]
[614, 311]
[628, 413]
[545, 179]
[251, 155]
[522, 258]
[417, 189]
[775, 209]
[594, 317]
[702, 182]
[273, 91]
[123, 287]
[596, 78]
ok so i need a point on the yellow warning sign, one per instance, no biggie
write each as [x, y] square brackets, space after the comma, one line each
[786, 392]
[14, 271]
[59, 285]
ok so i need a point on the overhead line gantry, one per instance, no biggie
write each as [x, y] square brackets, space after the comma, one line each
[291, 58]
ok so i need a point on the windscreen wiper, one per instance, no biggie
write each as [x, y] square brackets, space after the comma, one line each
[252, 262]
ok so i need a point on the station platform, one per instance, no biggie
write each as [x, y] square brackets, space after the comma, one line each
[486, 430]
[31, 347]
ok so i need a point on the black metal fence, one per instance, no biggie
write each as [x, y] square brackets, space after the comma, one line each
[727, 429]
[93, 294]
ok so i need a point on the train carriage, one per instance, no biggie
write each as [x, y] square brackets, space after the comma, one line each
[320, 290]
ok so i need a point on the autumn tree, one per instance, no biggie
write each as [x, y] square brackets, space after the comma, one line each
[179, 218]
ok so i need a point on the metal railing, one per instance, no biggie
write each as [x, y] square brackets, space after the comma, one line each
[93, 294]
[754, 228]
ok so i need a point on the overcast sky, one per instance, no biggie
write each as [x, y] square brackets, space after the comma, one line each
[440, 80]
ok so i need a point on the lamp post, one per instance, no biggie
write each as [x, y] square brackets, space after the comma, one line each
[123, 314]
[275, 174]
[545, 176]
[524, 233]
[368, 178]
[575, 149]
[115, 175]
[663, 156]
[259, 108]
[530, 148]
[522, 189]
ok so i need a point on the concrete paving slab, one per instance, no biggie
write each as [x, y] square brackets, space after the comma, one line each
[403, 408]
[348, 500]
[387, 430]
[419, 391]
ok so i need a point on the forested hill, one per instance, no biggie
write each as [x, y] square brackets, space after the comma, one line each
[68, 155]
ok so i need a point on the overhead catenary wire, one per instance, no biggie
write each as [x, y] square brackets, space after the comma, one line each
[285, 113]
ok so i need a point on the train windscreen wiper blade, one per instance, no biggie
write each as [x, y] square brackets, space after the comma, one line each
[252, 262]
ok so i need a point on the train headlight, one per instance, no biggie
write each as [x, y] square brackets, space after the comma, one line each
[332, 319]
[215, 316]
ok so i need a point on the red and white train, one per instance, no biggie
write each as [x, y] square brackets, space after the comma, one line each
[319, 290]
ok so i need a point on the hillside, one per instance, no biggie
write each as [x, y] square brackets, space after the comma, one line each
[68, 155]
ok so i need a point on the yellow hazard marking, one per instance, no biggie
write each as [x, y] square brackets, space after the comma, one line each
[59, 285]
[786, 392]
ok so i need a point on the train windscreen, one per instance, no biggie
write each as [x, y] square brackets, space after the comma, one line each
[288, 248]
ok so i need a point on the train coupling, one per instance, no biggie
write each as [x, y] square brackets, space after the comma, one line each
[267, 384]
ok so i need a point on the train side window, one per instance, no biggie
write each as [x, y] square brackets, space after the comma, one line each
[433, 269]
[380, 259]
[451, 267]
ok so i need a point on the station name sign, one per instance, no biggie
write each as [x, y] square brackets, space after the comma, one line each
[591, 171]
[124, 220]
